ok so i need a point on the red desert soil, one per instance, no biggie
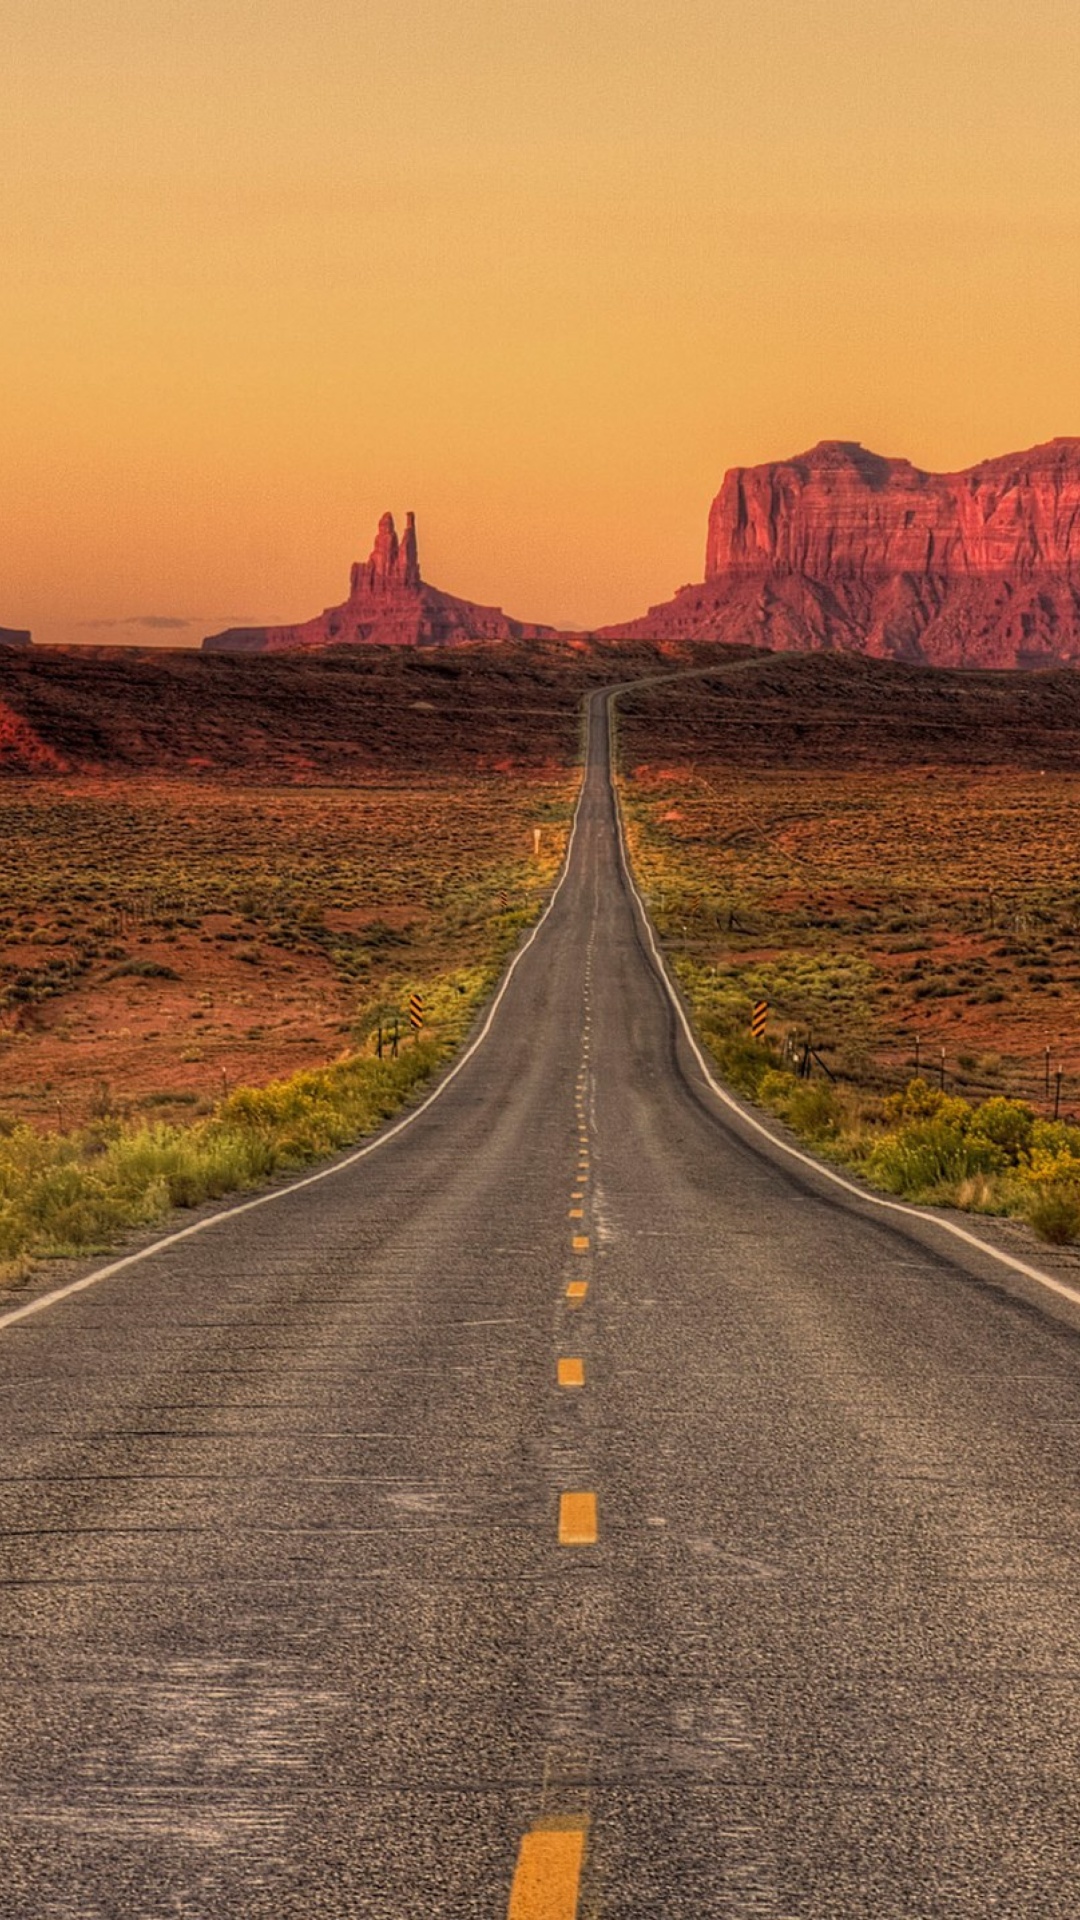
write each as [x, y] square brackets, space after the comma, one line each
[292, 837]
[163, 1043]
[161, 939]
[920, 828]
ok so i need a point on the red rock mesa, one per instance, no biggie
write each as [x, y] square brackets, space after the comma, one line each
[841, 548]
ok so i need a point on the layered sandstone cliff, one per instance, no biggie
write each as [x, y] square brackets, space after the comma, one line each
[840, 548]
[389, 604]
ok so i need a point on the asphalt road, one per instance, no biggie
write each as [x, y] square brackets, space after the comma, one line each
[286, 1625]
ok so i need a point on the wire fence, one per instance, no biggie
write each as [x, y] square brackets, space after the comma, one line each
[1044, 1081]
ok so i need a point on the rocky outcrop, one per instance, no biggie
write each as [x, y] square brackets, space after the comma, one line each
[15, 637]
[389, 604]
[391, 566]
[840, 510]
[841, 548]
[22, 750]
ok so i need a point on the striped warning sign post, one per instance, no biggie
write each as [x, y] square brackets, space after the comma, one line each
[416, 1011]
[758, 1019]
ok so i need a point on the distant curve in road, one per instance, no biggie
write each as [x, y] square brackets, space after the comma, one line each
[574, 1507]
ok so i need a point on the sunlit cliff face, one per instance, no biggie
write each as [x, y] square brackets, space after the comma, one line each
[840, 509]
[841, 548]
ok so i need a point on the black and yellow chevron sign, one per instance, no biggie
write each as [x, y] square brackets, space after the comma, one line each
[759, 1018]
[416, 1010]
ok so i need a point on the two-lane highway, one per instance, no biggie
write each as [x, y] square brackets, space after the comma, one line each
[572, 1507]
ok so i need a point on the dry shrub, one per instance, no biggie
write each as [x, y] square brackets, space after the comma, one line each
[1054, 1212]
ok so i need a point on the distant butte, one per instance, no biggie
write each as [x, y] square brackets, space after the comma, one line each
[836, 549]
[15, 637]
[840, 548]
[389, 604]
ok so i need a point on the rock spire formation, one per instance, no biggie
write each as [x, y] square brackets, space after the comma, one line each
[391, 565]
[842, 548]
[389, 604]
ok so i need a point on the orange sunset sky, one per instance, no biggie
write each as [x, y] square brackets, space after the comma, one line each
[539, 272]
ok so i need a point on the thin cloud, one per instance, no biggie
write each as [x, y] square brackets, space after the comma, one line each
[149, 622]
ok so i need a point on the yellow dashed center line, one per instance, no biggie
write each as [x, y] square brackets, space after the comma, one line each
[577, 1520]
[548, 1874]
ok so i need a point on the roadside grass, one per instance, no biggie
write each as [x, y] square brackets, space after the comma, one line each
[995, 1156]
[77, 1192]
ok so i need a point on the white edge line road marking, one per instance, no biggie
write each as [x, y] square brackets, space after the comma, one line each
[817, 1167]
[340, 1166]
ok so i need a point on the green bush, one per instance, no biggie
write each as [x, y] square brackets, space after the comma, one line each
[925, 1158]
[809, 1107]
[814, 1110]
[742, 1061]
[1008, 1123]
[920, 1101]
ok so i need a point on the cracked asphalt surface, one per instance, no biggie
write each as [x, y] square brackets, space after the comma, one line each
[285, 1627]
